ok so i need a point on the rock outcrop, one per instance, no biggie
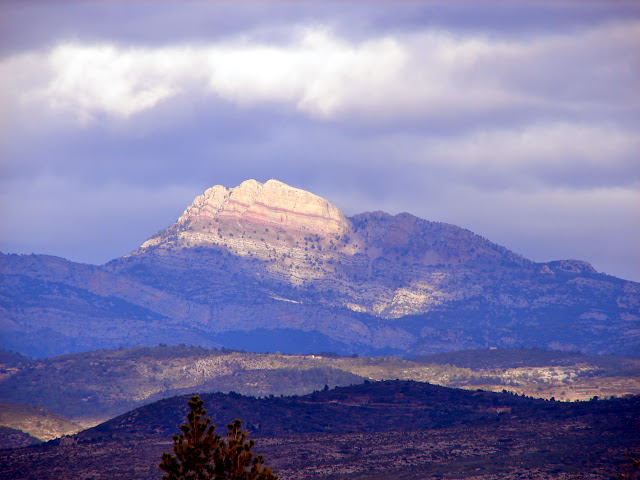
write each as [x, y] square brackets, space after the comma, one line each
[270, 204]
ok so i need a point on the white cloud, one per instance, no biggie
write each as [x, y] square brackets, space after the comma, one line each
[431, 73]
[103, 78]
[320, 74]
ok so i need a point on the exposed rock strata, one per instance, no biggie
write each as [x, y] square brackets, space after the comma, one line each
[270, 204]
[374, 262]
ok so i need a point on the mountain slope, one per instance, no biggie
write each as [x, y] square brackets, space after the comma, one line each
[268, 266]
[393, 429]
[38, 422]
[91, 387]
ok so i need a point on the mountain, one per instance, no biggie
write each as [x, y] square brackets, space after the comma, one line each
[269, 267]
[393, 429]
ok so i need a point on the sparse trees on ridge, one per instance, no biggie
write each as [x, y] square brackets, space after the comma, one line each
[200, 454]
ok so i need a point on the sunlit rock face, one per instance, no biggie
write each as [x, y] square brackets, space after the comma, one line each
[374, 263]
[270, 204]
[299, 235]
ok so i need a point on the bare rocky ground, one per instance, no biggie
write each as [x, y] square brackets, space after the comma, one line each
[509, 452]
[462, 452]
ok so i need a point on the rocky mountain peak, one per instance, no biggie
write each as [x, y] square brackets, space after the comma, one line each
[271, 203]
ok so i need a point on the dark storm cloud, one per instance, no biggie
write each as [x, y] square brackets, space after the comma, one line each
[519, 121]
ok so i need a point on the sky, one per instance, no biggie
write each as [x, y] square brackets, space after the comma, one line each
[519, 121]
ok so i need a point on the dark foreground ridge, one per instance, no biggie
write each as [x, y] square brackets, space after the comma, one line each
[391, 429]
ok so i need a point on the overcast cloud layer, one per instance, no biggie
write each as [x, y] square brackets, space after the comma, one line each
[518, 121]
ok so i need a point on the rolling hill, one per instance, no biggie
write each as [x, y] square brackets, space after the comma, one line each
[392, 429]
[92, 387]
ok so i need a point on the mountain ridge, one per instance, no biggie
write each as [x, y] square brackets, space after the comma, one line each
[390, 429]
[267, 260]
[90, 387]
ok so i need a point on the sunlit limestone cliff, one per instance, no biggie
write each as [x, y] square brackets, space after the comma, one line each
[266, 266]
[373, 262]
[271, 222]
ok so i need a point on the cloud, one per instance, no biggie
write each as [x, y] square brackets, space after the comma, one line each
[104, 79]
[551, 154]
[524, 130]
[430, 73]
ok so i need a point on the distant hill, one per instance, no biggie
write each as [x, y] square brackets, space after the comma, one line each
[267, 267]
[91, 387]
[37, 422]
[13, 438]
[491, 359]
[392, 429]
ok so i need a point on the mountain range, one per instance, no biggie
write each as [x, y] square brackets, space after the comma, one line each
[266, 267]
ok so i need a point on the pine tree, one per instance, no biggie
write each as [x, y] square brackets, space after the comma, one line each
[200, 454]
[234, 458]
[194, 448]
